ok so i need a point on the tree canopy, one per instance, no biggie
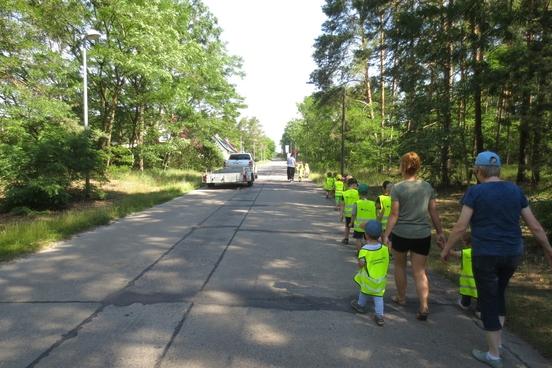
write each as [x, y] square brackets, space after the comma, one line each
[159, 89]
[445, 78]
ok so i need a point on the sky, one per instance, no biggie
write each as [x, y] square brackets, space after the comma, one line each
[275, 40]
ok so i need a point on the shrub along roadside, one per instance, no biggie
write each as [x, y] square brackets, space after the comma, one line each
[129, 192]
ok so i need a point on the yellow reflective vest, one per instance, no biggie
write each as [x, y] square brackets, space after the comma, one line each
[385, 202]
[338, 189]
[365, 211]
[372, 278]
[329, 183]
[350, 197]
[467, 282]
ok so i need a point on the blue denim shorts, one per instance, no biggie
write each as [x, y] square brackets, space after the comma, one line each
[492, 274]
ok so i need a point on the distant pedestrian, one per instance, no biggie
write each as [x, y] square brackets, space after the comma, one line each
[373, 263]
[301, 170]
[493, 209]
[307, 170]
[329, 184]
[350, 197]
[290, 168]
[364, 210]
[467, 288]
[409, 230]
[383, 204]
[338, 191]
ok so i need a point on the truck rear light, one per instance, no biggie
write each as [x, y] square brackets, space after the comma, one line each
[250, 163]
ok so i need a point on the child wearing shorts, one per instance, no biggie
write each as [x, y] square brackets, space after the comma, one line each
[350, 197]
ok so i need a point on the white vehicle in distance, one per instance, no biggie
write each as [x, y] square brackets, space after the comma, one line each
[241, 160]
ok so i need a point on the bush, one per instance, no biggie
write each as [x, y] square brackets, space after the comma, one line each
[37, 194]
[53, 162]
[121, 156]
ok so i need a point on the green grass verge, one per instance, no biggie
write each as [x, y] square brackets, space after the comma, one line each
[128, 192]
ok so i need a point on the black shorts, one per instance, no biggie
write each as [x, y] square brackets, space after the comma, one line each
[358, 235]
[348, 222]
[418, 246]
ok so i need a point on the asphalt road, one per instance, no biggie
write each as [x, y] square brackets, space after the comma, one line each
[249, 277]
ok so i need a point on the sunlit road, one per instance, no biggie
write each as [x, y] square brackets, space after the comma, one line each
[249, 277]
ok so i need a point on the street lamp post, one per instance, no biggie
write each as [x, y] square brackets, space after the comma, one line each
[90, 35]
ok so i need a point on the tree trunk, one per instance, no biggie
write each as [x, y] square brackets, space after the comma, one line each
[367, 84]
[445, 104]
[140, 135]
[499, 115]
[382, 70]
[523, 136]
[478, 56]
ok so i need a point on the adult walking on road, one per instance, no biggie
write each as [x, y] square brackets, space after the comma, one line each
[290, 167]
[493, 209]
[409, 230]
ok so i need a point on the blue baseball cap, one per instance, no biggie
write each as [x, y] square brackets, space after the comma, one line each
[373, 229]
[363, 188]
[487, 158]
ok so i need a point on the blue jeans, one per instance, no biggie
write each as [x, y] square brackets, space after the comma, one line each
[378, 302]
[492, 274]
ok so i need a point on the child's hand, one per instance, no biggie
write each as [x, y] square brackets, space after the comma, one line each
[441, 240]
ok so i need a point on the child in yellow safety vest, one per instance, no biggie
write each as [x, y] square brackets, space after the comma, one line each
[301, 171]
[467, 288]
[383, 204]
[338, 191]
[373, 263]
[350, 197]
[363, 210]
[329, 184]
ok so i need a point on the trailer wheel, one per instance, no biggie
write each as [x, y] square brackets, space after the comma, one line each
[250, 183]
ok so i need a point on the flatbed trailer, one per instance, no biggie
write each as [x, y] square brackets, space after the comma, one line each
[239, 175]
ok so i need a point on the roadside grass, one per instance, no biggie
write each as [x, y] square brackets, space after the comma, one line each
[529, 294]
[126, 192]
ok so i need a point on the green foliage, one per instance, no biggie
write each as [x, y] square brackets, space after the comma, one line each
[48, 166]
[121, 156]
[159, 81]
[453, 78]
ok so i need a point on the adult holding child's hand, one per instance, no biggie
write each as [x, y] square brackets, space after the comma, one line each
[493, 209]
[409, 227]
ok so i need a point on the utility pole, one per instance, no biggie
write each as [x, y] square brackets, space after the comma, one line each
[343, 132]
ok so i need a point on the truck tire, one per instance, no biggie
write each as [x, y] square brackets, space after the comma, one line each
[210, 185]
[250, 183]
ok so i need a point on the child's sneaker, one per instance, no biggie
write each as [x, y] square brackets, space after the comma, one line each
[379, 320]
[462, 306]
[357, 307]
